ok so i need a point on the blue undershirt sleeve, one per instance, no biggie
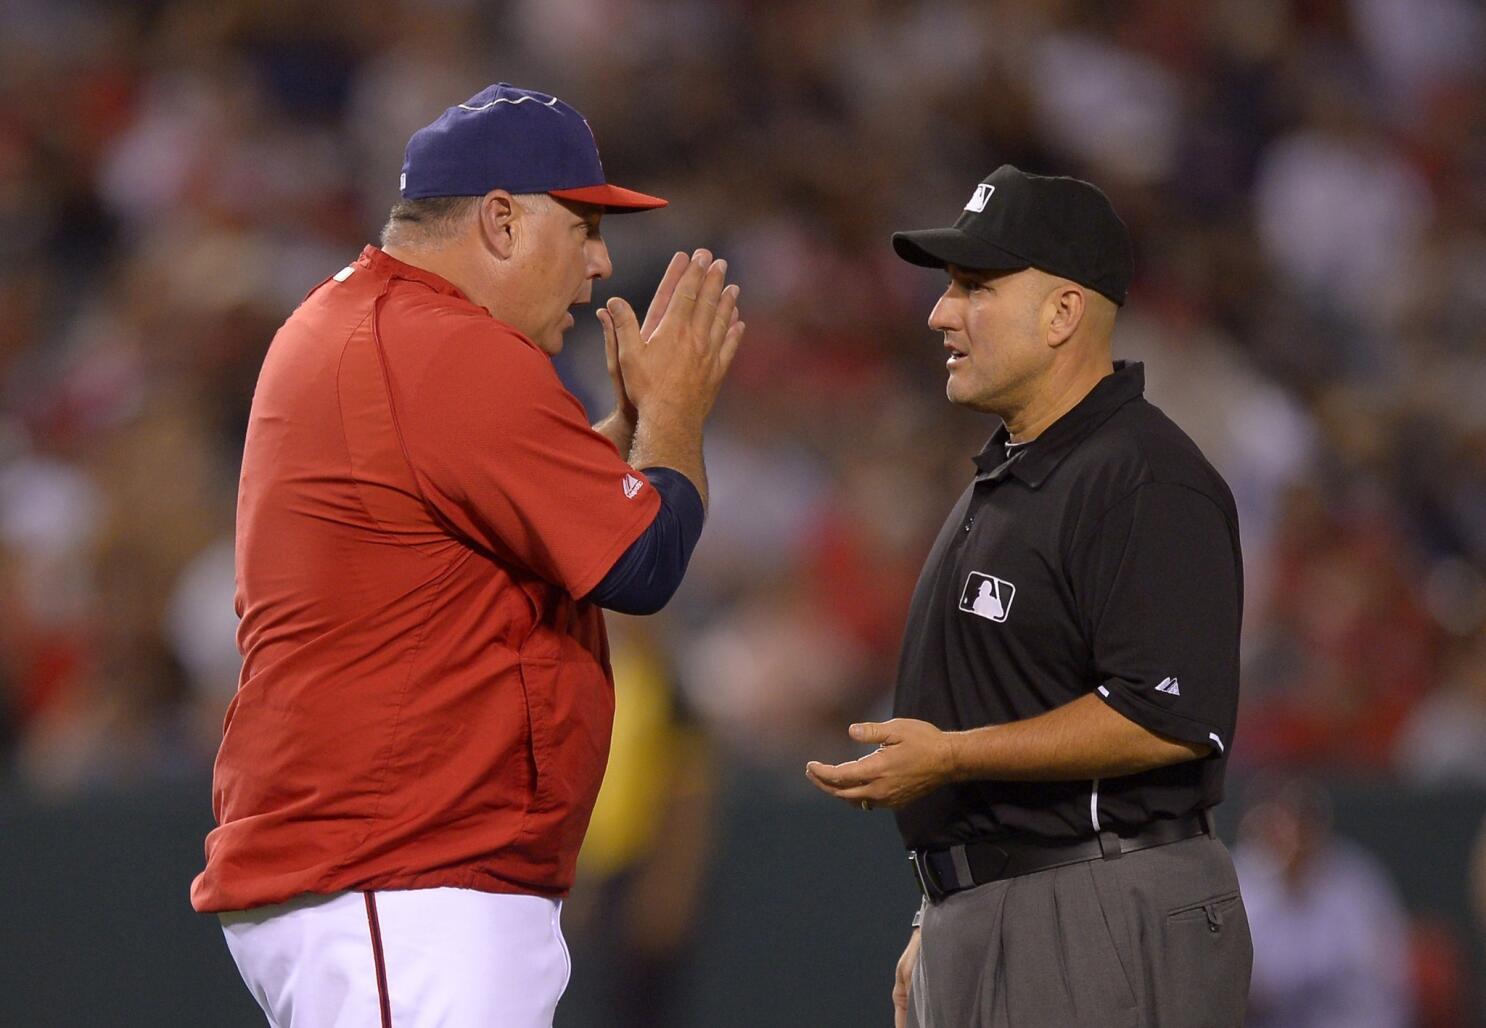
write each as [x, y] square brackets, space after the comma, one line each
[644, 578]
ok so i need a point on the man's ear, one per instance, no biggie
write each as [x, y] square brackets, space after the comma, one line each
[1068, 305]
[499, 216]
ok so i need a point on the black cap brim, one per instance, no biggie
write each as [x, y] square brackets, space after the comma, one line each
[936, 247]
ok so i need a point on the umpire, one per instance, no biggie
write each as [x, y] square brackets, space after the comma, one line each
[1069, 675]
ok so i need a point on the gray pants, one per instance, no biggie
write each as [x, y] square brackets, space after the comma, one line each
[1157, 938]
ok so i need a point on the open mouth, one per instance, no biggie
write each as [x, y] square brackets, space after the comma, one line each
[955, 356]
[572, 313]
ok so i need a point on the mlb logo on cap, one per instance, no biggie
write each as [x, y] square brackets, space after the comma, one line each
[982, 196]
[519, 140]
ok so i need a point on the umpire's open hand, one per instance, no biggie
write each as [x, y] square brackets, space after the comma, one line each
[679, 357]
[912, 758]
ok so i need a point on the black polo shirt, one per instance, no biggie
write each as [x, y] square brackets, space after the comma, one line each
[1100, 557]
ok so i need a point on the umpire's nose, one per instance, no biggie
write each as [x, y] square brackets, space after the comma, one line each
[945, 317]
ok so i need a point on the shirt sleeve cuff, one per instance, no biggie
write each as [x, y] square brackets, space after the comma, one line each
[626, 537]
[1166, 722]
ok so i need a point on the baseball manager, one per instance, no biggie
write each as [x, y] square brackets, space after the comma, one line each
[427, 527]
[1069, 675]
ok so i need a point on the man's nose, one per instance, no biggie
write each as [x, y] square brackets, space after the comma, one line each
[599, 265]
[945, 315]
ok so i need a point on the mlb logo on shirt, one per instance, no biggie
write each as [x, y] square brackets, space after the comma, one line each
[987, 596]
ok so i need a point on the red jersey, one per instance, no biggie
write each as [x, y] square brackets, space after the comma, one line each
[423, 701]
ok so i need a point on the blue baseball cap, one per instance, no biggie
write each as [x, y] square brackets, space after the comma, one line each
[519, 140]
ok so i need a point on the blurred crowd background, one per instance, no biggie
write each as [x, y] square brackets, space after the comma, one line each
[1305, 181]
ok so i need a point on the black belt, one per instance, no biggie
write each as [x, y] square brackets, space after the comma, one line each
[941, 872]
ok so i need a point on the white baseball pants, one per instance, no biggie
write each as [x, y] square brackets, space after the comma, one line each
[416, 958]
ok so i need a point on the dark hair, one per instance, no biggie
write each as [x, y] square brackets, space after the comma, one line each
[429, 218]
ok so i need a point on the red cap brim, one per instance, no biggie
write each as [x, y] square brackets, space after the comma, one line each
[611, 198]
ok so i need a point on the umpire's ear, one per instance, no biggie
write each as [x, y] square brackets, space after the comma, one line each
[499, 213]
[1064, 311]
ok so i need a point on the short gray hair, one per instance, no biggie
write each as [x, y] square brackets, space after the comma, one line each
[436, 219]
[426, 220]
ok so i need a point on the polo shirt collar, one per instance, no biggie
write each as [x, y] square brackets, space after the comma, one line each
[1040, 456]
[383, 264]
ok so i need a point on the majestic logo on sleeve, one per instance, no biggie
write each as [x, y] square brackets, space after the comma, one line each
[981, 198]
[1170, 686]
[632, 486]
[987, 596]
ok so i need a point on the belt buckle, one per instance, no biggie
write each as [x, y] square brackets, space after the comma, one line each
[926, 880]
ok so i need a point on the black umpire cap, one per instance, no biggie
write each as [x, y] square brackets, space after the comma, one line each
[1063, 226]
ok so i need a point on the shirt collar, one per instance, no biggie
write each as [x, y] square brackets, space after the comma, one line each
[1035, 461]
[386, 266]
